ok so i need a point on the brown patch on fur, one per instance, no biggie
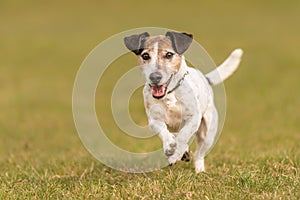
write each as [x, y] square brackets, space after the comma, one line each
[177, 66]
[164, 46]
[174, 118]
[162, 41]
[201, 133]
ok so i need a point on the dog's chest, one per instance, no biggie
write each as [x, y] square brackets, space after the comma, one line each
[173, 111]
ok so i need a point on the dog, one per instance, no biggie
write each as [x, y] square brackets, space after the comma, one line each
[178, 99]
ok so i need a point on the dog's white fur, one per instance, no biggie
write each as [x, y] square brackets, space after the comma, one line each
[189, 109]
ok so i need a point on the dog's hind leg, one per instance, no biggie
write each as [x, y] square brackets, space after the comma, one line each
[205, 137]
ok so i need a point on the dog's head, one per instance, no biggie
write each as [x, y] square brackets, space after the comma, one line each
[159, 57]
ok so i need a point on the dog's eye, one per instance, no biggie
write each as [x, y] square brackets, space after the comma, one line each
[146, 56]
[169, 55]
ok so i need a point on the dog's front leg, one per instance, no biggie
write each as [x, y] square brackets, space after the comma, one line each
[167, 138]
[185, 134]
[156, 119]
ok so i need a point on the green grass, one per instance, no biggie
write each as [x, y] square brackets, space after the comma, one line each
[42, 45]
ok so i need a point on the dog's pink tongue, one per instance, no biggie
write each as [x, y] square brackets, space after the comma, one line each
[158, 91]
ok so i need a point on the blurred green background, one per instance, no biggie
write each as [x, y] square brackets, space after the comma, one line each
[42, 45]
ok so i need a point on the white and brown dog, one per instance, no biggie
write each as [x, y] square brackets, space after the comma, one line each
[179, 98]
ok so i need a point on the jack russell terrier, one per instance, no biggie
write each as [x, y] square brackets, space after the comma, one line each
[179, 100]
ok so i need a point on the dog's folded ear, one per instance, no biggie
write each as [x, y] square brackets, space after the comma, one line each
[180, 41]
[135, 43]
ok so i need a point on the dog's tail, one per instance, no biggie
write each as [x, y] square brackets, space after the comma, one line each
[226, 69]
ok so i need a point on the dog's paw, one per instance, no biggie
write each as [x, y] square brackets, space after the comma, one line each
[169, 144]
[199, 166]
[173, 159]
[180, 150]
[170, 148]
[187, 156]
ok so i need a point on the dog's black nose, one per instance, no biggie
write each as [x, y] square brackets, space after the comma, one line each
[155, 77]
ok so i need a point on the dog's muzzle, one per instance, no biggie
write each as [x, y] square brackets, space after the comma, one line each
[159, 91]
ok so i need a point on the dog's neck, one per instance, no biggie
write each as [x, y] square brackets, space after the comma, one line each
[179, 76]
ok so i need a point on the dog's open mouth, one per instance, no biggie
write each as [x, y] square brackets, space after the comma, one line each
[159, 91]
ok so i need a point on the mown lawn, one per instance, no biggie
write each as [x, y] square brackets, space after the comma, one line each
[42, 45]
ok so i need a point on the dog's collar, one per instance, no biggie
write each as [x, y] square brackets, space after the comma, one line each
[178, 83]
